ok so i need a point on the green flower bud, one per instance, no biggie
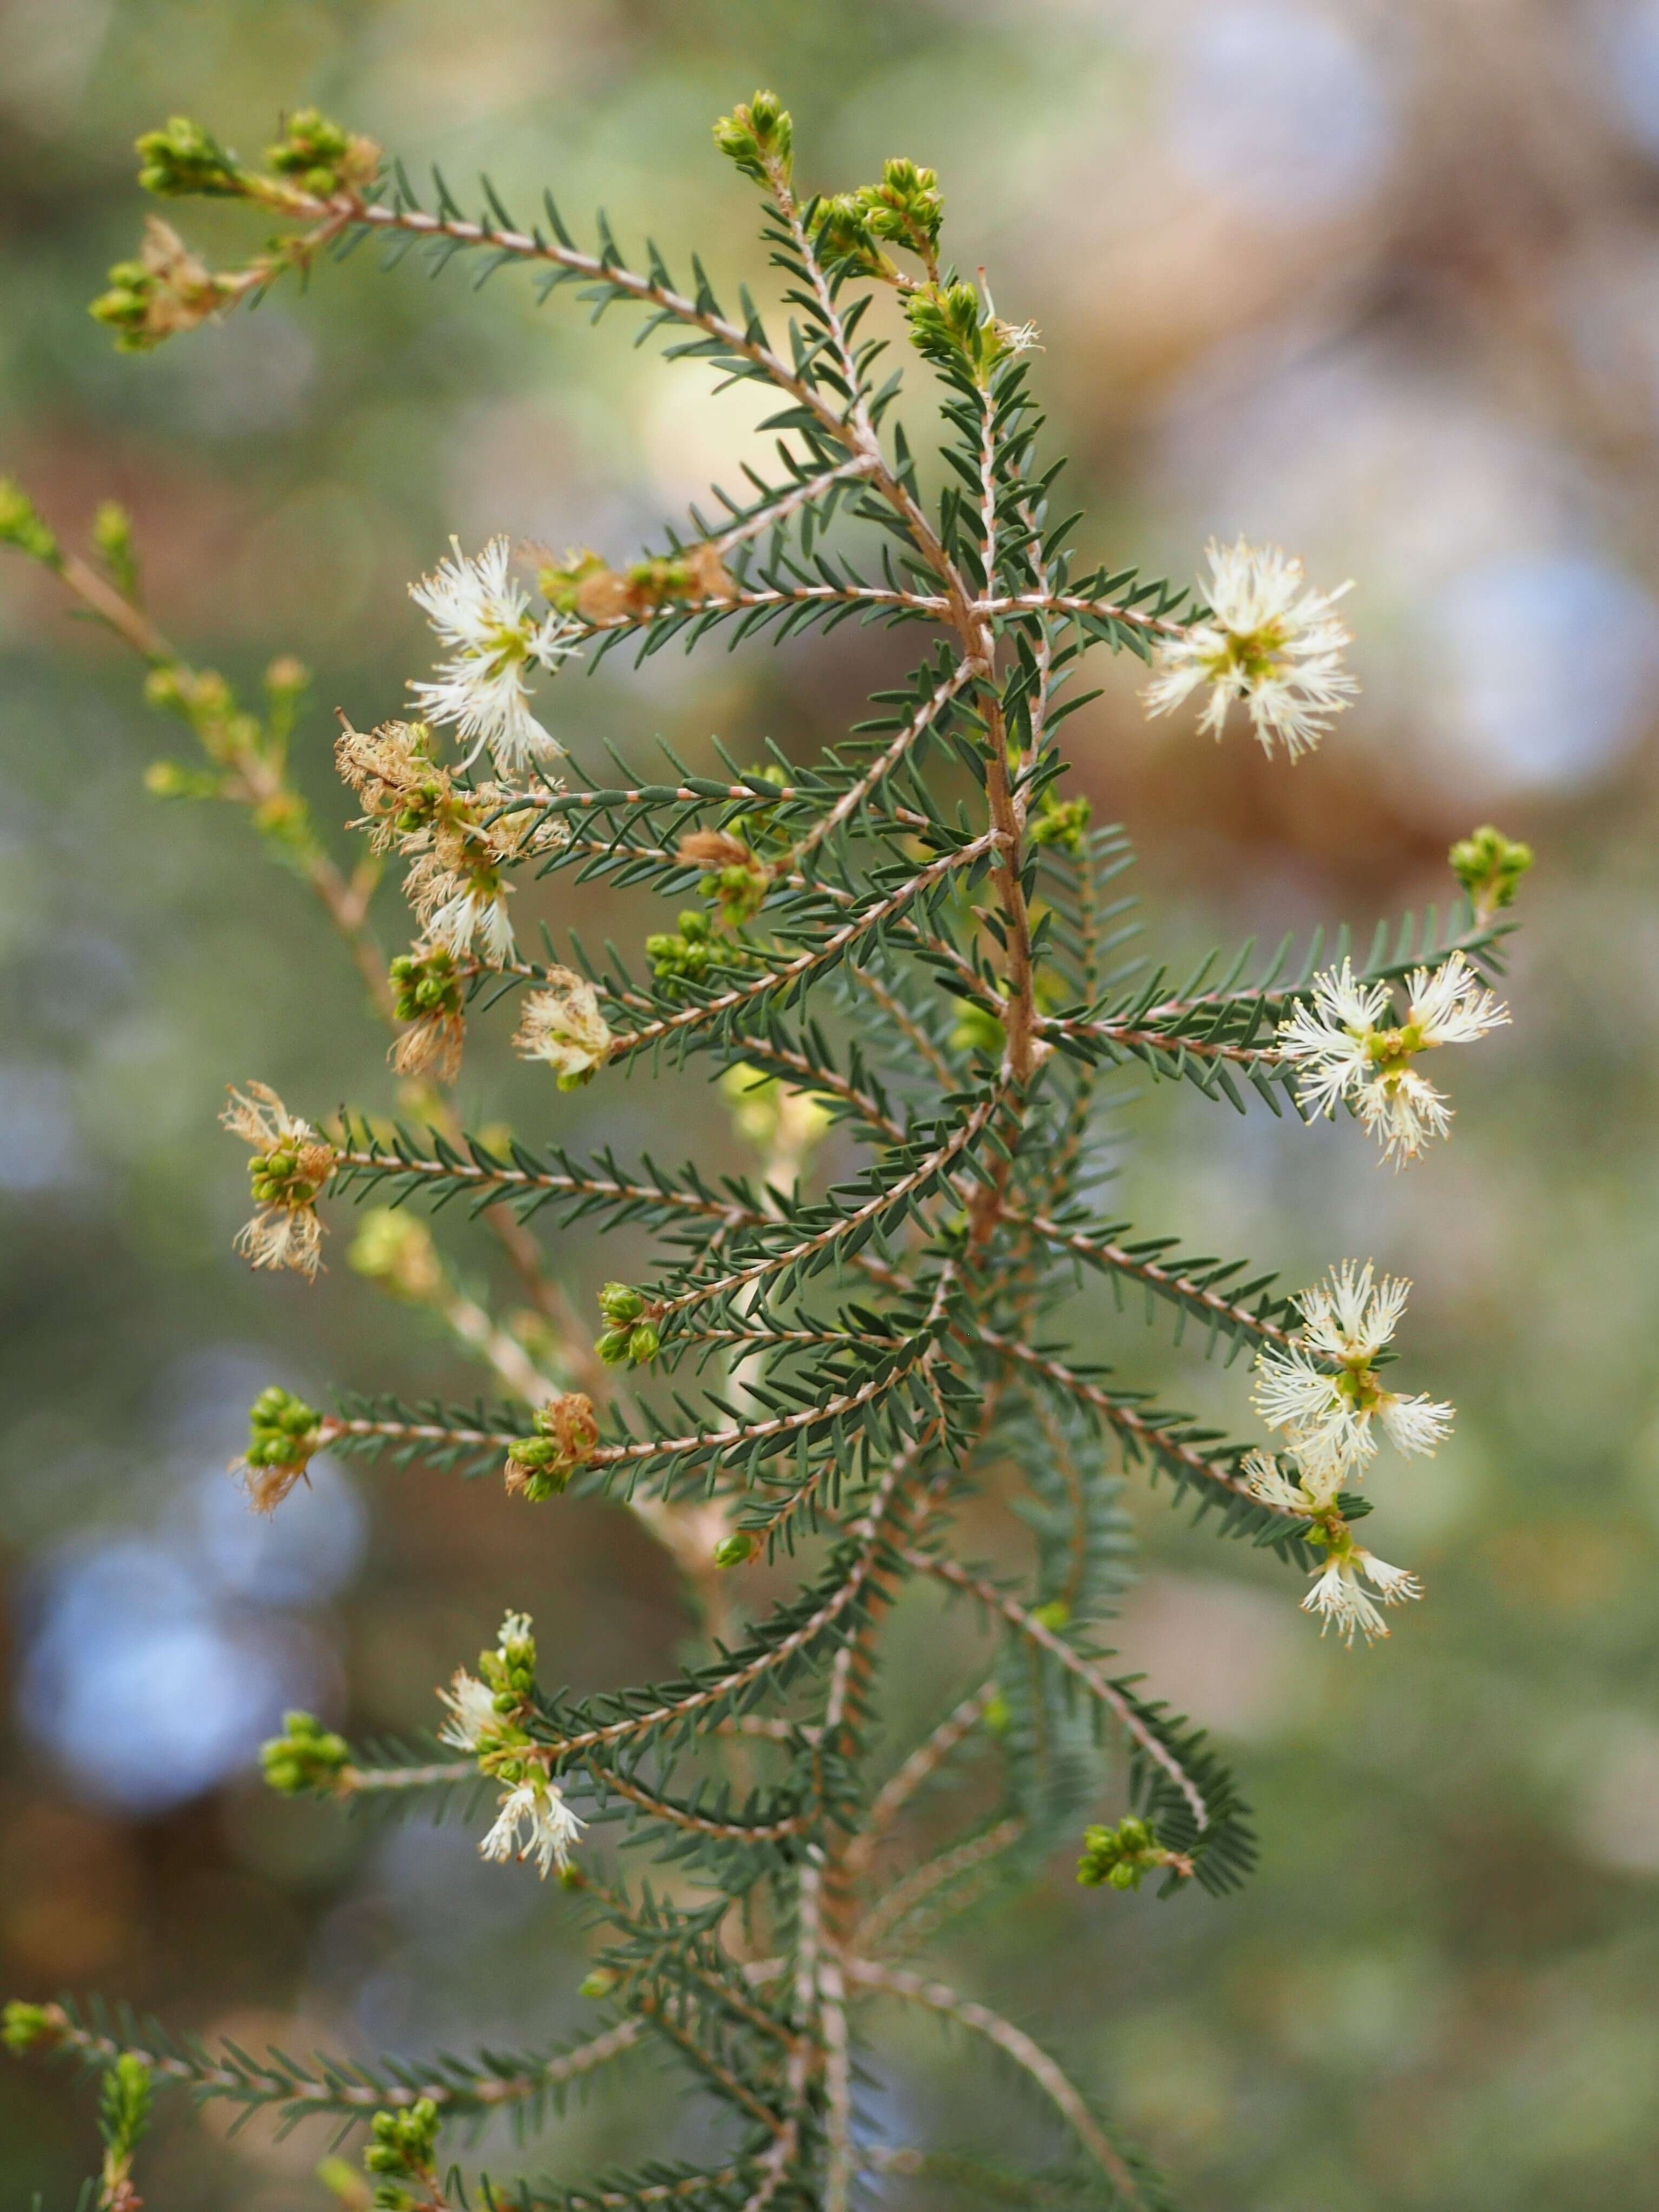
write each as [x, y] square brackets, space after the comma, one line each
[759, 137]
[598, 1983]
[620, 1304]
[612, 1346]
[735, 1550]
[643, 1343]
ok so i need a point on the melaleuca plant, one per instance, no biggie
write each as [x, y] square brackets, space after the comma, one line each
[913, 942]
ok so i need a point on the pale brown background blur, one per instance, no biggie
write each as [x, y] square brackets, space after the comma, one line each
[1379, 280]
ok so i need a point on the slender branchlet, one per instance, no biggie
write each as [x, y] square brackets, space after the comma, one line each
[909, 948]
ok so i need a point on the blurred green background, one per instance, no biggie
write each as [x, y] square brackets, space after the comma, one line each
[1382, 283]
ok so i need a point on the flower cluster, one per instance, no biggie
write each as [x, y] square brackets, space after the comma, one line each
[561, 1024]
[1269, 642]
[483, 616]
[427, 993]
[402, 2147]
[630, 1336]
[458, 839]
[166, 290]
[738, 878]
[1323, 1395]
[1346, 1043]
[1124, 1855]
[306, 1760]
[284, 1436]
[567, 1436]
[485, 1719]
[291, 1164]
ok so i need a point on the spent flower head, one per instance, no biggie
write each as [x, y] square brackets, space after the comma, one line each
[560, 1023]
[291, 1163]
[284, 1436]
[1270, 642]
[566, 1437]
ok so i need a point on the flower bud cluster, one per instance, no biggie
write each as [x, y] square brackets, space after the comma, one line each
[738, 878]
[951, 327]
[630, 1336]
[320, 158]
[284, 1435]
[1124, 1855]
[1490, 866]
[427, 993]
[184, 159]
[759, 137]
[1060, 822]
[567, 1436]
[289, 1166]
[693, 950]
[905, 208]
[21, 526]
[393, 1248]
[25, 2027]
[166, 290]
[306, 1760]
[402, 2147]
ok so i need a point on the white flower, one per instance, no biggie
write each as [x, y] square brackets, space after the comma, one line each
[472, 1712]
[1264, 1478]
[516, 1629]
[1317, 1418]
[1270, 641]
[1346, 1043]
[534, 1818]
[1338, 1598]
[454, 909]
[563, 1025]
[1326, 1416]
[1353, 1314]
[475, 606]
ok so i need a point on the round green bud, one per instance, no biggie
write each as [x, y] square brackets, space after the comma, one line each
[735, 1550]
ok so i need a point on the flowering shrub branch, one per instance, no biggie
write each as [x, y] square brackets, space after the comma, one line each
[913, 945]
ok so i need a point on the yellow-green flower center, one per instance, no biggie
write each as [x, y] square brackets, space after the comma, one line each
[1255, 655]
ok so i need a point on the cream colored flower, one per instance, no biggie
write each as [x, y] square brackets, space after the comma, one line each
[562, 1024]
[479, 610]
[1345, 1043]
[1326, 1413]
[534, 1820]
[1270, 642]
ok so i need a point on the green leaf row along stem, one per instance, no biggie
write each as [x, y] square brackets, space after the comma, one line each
[913, 945]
